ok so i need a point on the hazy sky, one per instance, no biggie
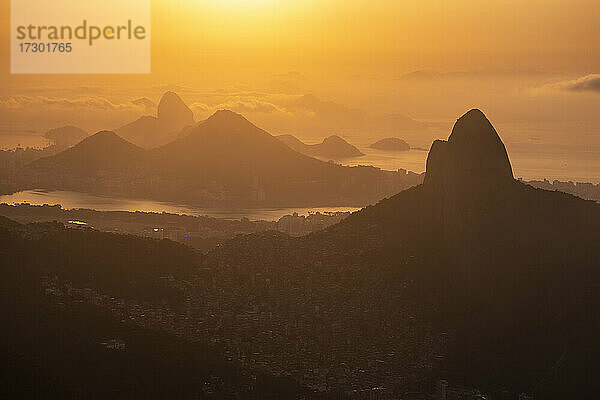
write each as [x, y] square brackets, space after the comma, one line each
[518, 60]
[198, 40]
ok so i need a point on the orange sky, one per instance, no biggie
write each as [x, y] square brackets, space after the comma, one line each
[194, 41]
[257, 56]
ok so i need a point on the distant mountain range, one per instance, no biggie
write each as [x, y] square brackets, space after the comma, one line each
[59, 345]
[331, 148]
[172, 119]
[224, 159]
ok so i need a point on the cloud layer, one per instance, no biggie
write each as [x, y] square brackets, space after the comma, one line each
[588, 83]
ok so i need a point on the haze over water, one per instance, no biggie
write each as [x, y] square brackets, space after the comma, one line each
[75, 200]
[537, 151]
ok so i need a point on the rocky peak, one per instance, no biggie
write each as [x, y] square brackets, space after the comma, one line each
[474, 155]
[173, 113]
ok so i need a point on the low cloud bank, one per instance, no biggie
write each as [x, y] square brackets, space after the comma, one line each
[588, 83]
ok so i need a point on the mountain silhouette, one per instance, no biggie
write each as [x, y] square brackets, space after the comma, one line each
[331, 148]
[173, 113]
[173, 116]
[513, 265]
[224, 159]
[228, 148]
[103, 151]
[391, 144]
[504, 275]
[473, 155]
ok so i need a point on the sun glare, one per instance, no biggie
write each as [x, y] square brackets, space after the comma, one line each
[245, 3]
[241, 8]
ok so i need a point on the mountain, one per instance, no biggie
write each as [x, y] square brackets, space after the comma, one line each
[332, 147]
[104, 151]
[513, 266]
[222, 160]
[66, 136]
[471, 277]
[144, 131]
[237, 158]
[473, 156]
[173, 116]
[391, 144]
[173, 113]
[227, 148]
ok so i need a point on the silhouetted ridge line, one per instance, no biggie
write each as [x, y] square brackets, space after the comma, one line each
[225, 114]
[103, 140]
[224, 159]
[173, 112]
[228, 120]
[103, 135]
[102, 151]
[332, 147]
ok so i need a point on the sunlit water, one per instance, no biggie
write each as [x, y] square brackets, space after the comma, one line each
[74, 200]
[529, 161]
[536, 151]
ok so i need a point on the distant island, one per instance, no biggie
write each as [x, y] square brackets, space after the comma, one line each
[203, 233]
[391, 144]
[332, 147]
